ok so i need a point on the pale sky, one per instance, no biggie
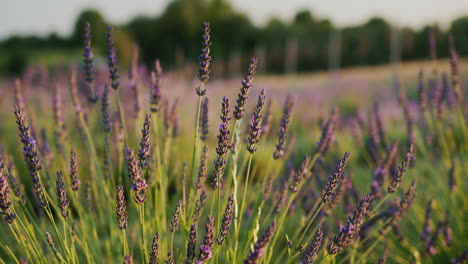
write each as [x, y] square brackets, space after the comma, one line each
[44, 16]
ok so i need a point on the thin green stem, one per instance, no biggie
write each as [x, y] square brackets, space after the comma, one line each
[213, 199]
[28, 233]
[122, 117]
[141, 209]
[283, 215]
[256, 228]
[68, 228]
[160, 191]
[124, 242]
[218, 224]
[374, 211]
[92, 150]
[370, 248]
[8, 250]
[234, 158]
[325, 258]
[84, 241]
[16, 233]
[195, 140]
[317, 211]
[353, 253]
[61, 240]
[367, 238]
[65, 240]
[249, 164]
[240, 214]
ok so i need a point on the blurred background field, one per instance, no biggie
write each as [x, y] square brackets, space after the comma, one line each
[297, 40]
[303, 52]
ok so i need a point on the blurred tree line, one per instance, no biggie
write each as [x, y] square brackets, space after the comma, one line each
[306, 43]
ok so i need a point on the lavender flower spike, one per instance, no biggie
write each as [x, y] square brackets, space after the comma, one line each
[199, 206]
[62, 195]
[88, 55]
[256, 254]
[204, 59]
[138, 183]
[121, 208]
[154, 254]
[205, 248]
[335, 179]
[32, 159]
[175, 221]
[112, 60]
[75, 182]
[5, 201]
[284, 126]
[145, 144]
[349, 232]
[156, 76]
[106, 119]
[204, 126]
[191, 244]
[255, 128]
[300, 174]
[244, 91]
[314, 247]
[17, 187]
[328, 133]
[227, 220]
[397, 178]
[223, 145]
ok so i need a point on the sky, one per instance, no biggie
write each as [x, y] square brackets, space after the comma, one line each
[41, 17]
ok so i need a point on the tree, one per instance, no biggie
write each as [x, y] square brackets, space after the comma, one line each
[459, 31]
[98, 29]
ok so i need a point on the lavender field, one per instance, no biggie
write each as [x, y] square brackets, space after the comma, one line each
[113, 163]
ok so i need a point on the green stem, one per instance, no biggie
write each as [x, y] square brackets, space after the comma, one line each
[326, 257]
[249, 164]
[195, 140]
[68, 228]
[317, 211]
[371, 247]
[353, 253]
[374, 211]
[65, 241]
[143, 231]
[240, 213]
[124, 242]
[255, 221]
[158, 183]
[122, 117]
[307, 237]
[92, 150]
[28, 233]
[16, 233]
[84, 241]
[282, 217]
[218, 224]
[61, 240]
[384, 231]
[8, 250]
[234, 156]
